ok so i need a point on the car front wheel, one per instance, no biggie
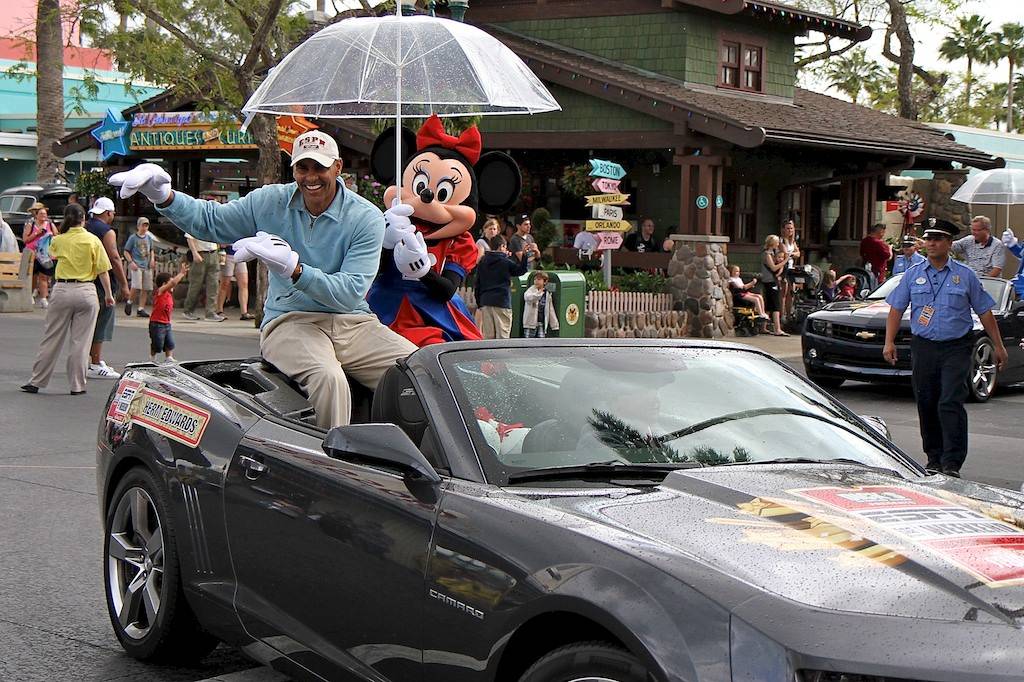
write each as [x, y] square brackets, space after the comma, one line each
[587, 662]
[147, 609]
[981, 382]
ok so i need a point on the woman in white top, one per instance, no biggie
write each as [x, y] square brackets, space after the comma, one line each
[792, 251]
[490, 229]
[772, 266]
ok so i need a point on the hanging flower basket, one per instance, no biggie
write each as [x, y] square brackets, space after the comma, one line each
[576, 180]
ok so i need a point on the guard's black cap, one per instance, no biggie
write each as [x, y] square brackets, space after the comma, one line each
[937, 227]
[909, 241]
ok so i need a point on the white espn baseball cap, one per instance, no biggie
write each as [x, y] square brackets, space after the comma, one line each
[317, 146]
[102, 205]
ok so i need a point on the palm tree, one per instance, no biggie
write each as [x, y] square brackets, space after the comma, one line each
[851, 73]
[49, 88]
[969, 40]
[1009, 44]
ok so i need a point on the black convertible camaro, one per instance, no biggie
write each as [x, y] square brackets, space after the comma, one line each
[844, 340]
[549, 511]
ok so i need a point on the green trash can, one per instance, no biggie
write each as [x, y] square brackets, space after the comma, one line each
[569, 296]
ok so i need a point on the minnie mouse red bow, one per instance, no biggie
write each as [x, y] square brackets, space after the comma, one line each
[432, 134]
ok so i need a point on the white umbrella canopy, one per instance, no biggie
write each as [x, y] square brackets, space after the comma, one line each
[1000, 186]
[375, 67]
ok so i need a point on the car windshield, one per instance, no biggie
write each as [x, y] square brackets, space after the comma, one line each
[562, 406]
[994, 288]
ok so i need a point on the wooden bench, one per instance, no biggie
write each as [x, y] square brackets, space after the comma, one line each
[16, 282]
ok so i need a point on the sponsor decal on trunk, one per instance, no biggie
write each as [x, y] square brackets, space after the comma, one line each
[127, 389]
[168, 416]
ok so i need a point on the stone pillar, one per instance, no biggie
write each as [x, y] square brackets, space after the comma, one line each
[697, 275]
[940, 205]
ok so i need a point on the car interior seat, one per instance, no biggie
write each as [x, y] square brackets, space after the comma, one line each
[396, 402]
[562, 431]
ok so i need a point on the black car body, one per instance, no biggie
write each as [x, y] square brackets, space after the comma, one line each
[460, 536]
[844, 341]
[15, 202]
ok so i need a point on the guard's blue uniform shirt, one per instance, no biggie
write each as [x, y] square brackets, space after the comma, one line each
[900, 264]
[952, 291]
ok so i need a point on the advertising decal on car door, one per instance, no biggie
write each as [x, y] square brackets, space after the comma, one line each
[988, 548]
[133, 403]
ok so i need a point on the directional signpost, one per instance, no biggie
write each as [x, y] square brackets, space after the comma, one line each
[606, 210]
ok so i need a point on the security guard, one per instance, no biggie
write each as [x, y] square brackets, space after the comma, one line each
[941, 293]
[909, 257]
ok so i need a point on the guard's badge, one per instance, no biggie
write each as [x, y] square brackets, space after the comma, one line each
[956, 279]
[920, 280]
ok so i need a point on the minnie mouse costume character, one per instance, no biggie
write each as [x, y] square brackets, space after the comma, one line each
[428, 250]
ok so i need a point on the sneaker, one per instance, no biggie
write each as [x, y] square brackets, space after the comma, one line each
[101, 371]
[128, 308]
[215, 317]
[190, 316]
[247, 316]
[141, 313]
[951, 472]
[43, 303]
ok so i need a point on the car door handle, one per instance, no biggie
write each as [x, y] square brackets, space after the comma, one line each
[253, 467]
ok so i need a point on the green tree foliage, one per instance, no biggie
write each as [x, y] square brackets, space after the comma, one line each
[969, 39]
[212, 51]
[544, 229]
[852, 73]
[1009, 45]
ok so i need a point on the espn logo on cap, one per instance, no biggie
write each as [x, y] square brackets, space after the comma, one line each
[317, 146]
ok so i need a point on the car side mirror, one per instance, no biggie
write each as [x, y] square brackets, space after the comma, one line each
[878, 424]
[380, 445]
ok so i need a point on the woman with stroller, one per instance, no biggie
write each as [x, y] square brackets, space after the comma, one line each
[792, 251]
[773, 265]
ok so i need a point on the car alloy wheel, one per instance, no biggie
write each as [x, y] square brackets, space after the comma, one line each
[587, 662]
[145, 599]
[982, 380]
[135, 563]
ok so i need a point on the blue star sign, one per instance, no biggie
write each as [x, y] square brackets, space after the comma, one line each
[112, 134]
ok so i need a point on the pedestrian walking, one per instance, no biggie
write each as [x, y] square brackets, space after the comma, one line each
[773, 264]
[235, 271]
[31, 234]
[941, 294]
[538, 309]
[494, 275]
[141, 259]
[982, 252]
[908, 257]
[203, 276]
[161, 336]
[99, 224]
[876, 252]
[81, 260]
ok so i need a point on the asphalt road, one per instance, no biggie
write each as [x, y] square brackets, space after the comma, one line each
[53, 622]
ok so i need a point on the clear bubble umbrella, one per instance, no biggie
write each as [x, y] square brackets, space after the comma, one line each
[414, 66]
[999, 187]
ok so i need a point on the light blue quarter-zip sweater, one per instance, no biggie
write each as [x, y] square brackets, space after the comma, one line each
[339, 249]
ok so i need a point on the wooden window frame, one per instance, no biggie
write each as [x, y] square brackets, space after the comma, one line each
[744, 42]
[731, 211]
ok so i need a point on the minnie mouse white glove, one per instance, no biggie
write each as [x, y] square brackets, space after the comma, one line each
[1009, 239]
[148, 178]
[275, 253]
[397, 224]
[411, 257]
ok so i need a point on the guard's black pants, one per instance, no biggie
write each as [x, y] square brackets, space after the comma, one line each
[941, 369]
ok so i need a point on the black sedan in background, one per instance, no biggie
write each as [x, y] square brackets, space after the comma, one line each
[844, 340]
[549, 511]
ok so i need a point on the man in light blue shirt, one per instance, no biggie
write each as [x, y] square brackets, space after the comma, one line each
[909, 257]
[941, 294]
[321, 244]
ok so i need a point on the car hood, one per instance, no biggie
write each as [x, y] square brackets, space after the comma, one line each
[864, 313]
[838, 537]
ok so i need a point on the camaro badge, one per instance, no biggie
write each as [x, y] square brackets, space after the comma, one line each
[866, 335]
[456, 604]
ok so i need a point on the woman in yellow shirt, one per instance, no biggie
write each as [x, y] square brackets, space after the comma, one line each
[80, 258]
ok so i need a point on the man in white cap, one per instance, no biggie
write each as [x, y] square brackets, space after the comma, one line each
[101, 217]
[321, 244]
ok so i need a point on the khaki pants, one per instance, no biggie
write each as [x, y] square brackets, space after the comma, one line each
[318, 349]
[205, 275]
[496, 323]
[72, 314]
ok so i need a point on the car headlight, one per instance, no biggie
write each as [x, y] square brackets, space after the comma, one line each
[819, 327]
[755, 657]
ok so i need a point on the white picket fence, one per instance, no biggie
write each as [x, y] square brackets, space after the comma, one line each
[627, 302]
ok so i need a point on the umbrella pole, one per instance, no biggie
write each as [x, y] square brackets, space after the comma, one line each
[398, 105]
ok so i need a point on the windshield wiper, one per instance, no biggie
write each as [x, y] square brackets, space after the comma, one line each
[812, 460]
[601, 471]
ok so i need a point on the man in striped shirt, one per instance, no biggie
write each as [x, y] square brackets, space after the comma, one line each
[981, 252]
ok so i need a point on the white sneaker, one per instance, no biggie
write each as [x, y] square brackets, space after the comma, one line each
[43, 303]
[101, 371]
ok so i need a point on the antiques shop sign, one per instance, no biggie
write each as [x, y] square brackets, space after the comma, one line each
[187, 130]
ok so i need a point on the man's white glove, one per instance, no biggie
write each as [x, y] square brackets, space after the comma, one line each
[397, 224]
[148, 178]
[269, 248]
[411, 257]
[1009, 239]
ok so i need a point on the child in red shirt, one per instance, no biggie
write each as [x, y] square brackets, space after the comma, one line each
[161, 339]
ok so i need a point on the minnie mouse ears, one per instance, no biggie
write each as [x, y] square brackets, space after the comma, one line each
[498, 182]
[382, 157]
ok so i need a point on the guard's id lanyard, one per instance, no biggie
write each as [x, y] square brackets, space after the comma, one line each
[924, 318]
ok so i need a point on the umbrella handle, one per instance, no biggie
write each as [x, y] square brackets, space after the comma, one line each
[398, 103]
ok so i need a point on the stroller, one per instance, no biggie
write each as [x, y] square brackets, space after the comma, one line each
[806, 282]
